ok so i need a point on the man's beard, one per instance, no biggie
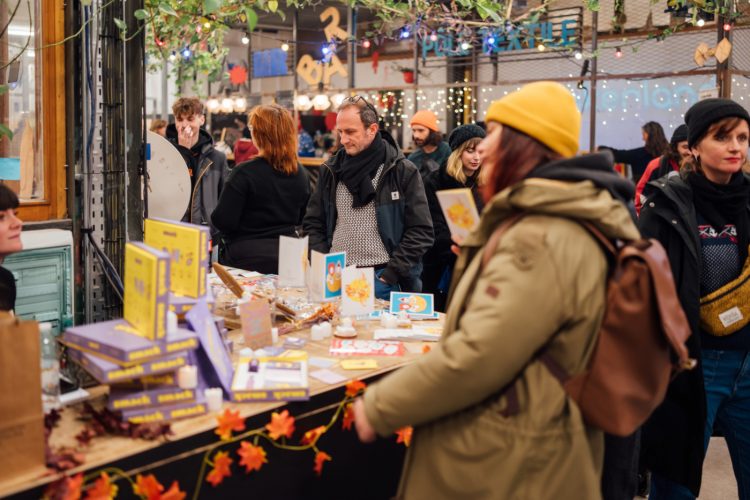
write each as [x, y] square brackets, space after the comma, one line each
[419, 142]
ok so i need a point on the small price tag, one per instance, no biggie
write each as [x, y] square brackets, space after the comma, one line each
[359, 364]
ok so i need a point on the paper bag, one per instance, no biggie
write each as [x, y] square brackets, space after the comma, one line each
[21, 416]
[255, 315]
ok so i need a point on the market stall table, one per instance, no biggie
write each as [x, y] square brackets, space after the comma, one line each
[356, 470]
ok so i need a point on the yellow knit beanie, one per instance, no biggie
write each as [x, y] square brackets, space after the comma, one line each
[545, 111]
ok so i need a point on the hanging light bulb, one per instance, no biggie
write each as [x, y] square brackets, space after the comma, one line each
[337, 99]
[700, 22]
[303, 102]
[207, 25]
[618, 52]
[213, 105]
[405, 32]
[433, 37]
[366, 44]
[491, 40]
[245, 39]
[227, 105]
[465, 45]
[578, 55]
[326, 50]
[727, 26]
[541, 47]
[240, 104]
[285, 47]
[186, 53]
[321, 102]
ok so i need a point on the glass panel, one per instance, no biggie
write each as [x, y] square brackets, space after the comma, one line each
[21, 165]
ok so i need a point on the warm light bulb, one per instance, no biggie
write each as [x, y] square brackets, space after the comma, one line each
[465, 45]
[578, 55]
[700, 23]
[618, 53]
[366, 44]
[207, 25]
[245, 40]
[727, 27]
[433, 37]
[541, 47]
[285, 47]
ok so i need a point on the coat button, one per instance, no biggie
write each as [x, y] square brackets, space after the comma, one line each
[652, 204]
[674, 221]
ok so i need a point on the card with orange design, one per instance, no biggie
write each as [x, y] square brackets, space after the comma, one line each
[358, 291]
[459, 210]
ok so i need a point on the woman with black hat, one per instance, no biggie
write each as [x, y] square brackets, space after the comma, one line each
[664, 165]
[702, 218]
[462, 169]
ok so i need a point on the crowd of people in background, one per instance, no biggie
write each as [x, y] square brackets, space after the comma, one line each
[542, 285]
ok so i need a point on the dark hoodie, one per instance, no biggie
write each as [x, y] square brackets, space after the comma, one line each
[208, 170]
[402, 213]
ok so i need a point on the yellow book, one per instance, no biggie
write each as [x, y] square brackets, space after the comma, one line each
[187, 246]
[146, 286]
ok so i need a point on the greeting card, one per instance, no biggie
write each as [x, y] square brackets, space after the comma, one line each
[358, 295]
[255, 315]
[414, 304]
[459, 210]
[292, 261]
[146, 283]
[325, 275]
[187, 246]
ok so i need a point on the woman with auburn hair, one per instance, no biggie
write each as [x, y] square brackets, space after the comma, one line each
[264, 198]
[462, 169]
[491, 419]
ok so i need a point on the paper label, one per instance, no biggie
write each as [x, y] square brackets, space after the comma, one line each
[730, 317]
[359, 364]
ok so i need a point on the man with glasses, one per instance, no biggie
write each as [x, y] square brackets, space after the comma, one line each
[370, 202]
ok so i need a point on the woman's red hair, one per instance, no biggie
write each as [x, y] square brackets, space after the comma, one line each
[516, 156]
[274, 133]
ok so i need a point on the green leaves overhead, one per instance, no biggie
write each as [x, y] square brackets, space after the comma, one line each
[167, 9]
[211, 6]
[252, 18]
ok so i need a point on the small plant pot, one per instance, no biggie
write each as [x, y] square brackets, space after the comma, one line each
[408, 77]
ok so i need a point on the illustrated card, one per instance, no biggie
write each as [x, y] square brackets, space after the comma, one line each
[325, 275]
[415, 304]
[358, 295]
[459, 210]
[255, 316]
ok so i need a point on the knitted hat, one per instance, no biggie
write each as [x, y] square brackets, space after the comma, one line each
[545, 111]
[425, 118]
[680, 134]
[463, 133]
[705, 113]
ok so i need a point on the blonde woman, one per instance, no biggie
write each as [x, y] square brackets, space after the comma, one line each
[462, 169]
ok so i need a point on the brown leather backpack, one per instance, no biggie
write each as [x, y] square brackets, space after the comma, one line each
[641, 342]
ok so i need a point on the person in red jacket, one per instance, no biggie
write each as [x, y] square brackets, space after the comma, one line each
[664, 165]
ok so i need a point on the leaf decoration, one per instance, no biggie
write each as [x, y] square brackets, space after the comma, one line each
[173, 493]
[70, 489]
[253, 457]
[312, 436]
[404, 435]
[229, 421]
[211, 6]
[252, 19]
[320, 458]
[221, 468]
[147, 487]
[348, 419]
[282, 424]
[354, 387]
[103, 489]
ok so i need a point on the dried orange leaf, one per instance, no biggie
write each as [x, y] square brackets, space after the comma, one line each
[173, 493]
[404, 435]
[147, 487]
[253, 457]
[354, 387]
[348, 419]
[282, 424]
[102, 489]
[221, 468]
[229, 421]
[320, 458]
[312, 436]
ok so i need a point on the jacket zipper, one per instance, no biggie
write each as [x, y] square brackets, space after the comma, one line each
[197, 183]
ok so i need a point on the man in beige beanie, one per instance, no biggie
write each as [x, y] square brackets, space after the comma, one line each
[431, 150]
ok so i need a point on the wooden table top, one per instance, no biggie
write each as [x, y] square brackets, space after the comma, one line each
[106, 449]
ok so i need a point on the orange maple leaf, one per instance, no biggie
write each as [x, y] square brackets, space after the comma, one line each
[320, 458]
[221, 468]
[426, 348]
[348, 419]
[253, 457]
[229, 421]
[282, 424]
[173, 493]
[312, 436]
[404, 435]
[147, 487]
[103, 489]
[72, 487]
[354, 387]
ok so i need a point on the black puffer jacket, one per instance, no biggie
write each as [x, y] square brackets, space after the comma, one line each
[672, 439]
[403, 217]
[208, 171]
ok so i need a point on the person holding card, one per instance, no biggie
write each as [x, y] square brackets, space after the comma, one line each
[370, 203]
[10, 242]
[461, 170]
[264, 198]
[490, 419]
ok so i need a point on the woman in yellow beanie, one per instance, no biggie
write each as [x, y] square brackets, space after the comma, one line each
[491, 420]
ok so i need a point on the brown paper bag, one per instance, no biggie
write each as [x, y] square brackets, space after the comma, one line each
[21, 416]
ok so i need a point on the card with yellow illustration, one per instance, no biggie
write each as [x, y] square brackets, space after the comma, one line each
[358, 291]
[459, 210]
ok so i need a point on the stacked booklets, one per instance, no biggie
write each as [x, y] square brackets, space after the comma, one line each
[139, 354]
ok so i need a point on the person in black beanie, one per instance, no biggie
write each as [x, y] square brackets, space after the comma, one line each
[462, 169]
[702, 218]
[666, 164]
